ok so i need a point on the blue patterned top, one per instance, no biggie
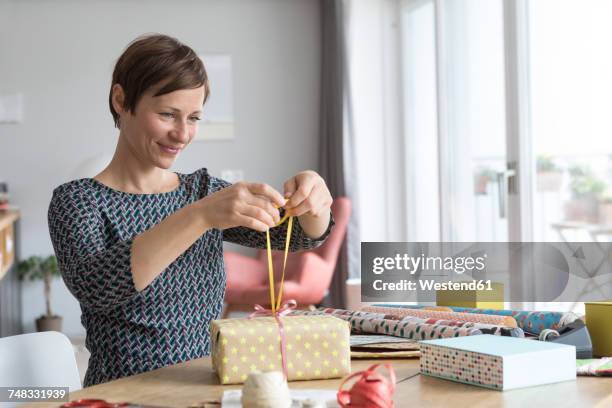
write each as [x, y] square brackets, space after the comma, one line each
[92, 228]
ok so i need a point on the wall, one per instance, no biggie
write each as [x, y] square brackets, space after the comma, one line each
[60, 54]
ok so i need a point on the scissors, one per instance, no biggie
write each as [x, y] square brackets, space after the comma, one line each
[94, 403]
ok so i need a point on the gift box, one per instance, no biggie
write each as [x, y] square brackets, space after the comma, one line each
[485, 299]
[316, 347]
[497, 362]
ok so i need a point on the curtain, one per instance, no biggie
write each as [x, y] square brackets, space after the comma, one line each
[334, 152]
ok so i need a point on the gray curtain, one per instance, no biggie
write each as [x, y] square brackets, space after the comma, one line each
[331, 135]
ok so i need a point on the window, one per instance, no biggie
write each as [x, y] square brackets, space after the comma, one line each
[504, 130]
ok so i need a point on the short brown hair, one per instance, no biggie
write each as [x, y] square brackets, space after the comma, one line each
[150, 60]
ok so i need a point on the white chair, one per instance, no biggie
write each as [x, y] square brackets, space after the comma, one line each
[44, 359]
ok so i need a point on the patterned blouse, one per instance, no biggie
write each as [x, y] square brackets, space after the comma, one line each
[92, 228]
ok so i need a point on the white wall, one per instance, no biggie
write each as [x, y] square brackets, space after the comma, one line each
[60, 54]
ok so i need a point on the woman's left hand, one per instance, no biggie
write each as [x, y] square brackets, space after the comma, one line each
[308, 195]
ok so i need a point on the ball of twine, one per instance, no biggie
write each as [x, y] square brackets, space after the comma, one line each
[266, 390]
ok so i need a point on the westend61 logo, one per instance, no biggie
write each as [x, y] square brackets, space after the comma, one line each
[413, 264]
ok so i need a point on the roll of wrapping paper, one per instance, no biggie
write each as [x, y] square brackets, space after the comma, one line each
[342, 314]
[484, 327]
[530, 321]
[362, 322]
[438, 308]
[504, 321]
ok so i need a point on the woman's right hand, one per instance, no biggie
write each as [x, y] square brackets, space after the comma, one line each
[242, 204]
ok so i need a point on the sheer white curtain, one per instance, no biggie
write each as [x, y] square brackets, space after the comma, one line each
[374, 122]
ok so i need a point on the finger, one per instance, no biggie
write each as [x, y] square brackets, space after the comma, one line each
[304, 189]
[289, 187]
[252, 223]
[265, 190]
[264, 203]
[311, 203]
[259, 214]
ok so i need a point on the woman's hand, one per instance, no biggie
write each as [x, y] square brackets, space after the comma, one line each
[242, 204]
[307, 194]
[310, 200]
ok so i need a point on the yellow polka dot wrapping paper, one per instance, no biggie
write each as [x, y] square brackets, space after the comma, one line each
[317, 347]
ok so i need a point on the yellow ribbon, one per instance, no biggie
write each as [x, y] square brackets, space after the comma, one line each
[276, 305]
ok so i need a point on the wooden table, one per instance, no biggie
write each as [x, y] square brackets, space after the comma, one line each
[193, 382]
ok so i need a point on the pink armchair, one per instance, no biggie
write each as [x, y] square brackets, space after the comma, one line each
[307, 276]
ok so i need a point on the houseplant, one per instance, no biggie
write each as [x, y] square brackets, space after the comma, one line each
[45, 268]
[549, 175]
[587, 190]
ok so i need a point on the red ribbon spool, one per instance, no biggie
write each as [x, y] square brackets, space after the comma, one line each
[372, 390]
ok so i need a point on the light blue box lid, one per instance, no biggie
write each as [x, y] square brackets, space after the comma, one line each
[496, 345]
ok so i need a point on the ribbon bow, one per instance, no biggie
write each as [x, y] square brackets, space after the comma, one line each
[275, 301]
[285, 309]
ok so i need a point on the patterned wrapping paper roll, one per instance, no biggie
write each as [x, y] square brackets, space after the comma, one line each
[530, 321]
[504, 321]
[410, 330]
[373, 323]
[342, 313]
[486, 328]
[483, 327]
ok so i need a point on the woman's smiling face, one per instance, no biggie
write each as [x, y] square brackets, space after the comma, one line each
[161, 126]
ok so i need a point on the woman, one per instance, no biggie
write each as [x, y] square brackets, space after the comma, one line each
[140, 246]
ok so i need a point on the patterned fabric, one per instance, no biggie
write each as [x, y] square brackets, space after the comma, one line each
[92, 228]
[428, 314]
